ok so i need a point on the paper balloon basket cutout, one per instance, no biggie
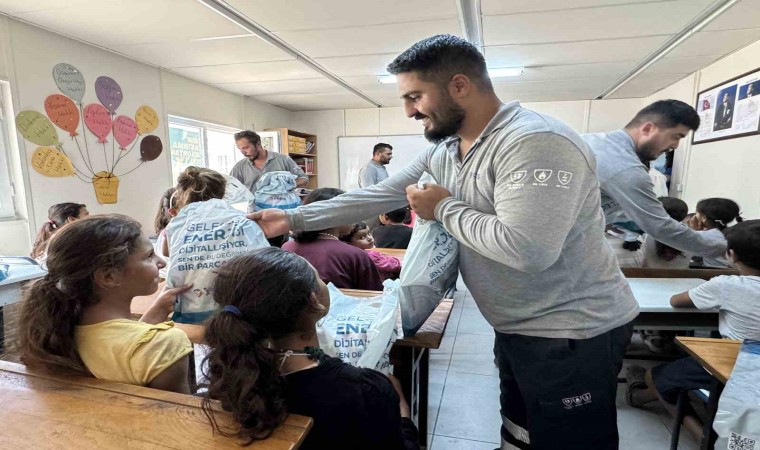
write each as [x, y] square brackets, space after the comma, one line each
[106, 187]
[68, 112]
[51, 162]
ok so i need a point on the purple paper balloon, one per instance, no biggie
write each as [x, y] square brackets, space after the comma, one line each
[109, 93]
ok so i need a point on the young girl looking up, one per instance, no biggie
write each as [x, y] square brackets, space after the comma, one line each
[360, 237]
[336, 262]
[205, 232]
[264, 361]
[77, 318]
[659, 255]
[58, 216]
[715, 214]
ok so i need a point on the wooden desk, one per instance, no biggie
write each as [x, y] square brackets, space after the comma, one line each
[718, 356]
[704, 274]
[653, 296]
[47, 411]
[411, 354]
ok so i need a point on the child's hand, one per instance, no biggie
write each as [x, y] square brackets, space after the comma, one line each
[163, 305]
[695, 224]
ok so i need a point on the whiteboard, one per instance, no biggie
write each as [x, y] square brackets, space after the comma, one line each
[355, 151]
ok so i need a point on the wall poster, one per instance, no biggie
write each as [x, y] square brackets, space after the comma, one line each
[730, 109]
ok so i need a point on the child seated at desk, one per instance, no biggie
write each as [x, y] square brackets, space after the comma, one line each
[77, 318]
[264, 361]
[713, 216]
[735, 297]
[336, 262]
[360, 237]
[166, 211]
[660, 256]
[393, 233]
[58, 216]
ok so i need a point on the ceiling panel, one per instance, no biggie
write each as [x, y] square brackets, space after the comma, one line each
[683, 64]
[745, 14]
[368, 40]
[646, 84]
[641, 19]
[237, 73]
[494, 7]
[17, 6]
[300, 86]
[572, 52]
[301, 102]
[716, 42]
[296, 15]
[242, 49]
[357, 65]
[111, 23]
[550, 87]
[571, 71]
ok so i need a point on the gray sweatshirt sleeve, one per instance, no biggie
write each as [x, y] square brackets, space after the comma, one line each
[358, 205]
[531, 223]
[634, 192]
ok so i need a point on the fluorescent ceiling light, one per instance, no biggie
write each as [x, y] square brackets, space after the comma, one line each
[505, 72]
[493, 73]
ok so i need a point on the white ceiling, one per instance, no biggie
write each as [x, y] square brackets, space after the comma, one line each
[571, 49]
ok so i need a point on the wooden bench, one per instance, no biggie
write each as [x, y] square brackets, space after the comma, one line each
[50, 411]
[705, 274]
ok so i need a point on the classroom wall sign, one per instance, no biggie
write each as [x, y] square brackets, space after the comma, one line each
[730, 109]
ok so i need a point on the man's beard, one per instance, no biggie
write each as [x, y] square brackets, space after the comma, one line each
[647, 153]
[444, 123]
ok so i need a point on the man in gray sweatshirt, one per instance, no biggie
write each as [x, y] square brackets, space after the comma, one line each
[622, 165]
[518, 190]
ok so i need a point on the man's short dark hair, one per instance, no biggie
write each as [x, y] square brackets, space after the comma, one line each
[437, 59]
[667, 114]
[252, 137]
[397, 215]
[744, 239]
[380, 147]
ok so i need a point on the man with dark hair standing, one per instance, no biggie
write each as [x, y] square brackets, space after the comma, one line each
[622, 166]
[374, 171]
[526, 212]
[259, 161]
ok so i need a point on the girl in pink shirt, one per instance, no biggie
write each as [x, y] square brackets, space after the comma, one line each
[360, 237]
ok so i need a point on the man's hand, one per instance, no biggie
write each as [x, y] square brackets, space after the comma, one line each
[273, 221]
[423, 201]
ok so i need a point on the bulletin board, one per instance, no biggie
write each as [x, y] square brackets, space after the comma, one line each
[730, 109]
[355, 151]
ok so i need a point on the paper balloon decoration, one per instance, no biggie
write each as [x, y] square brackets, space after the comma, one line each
[98, 120]
[69, 80]
[146, 118]
[124, 131]
[109, 93]
[36, 128]
[51, 162]
[63, 112]
[150, 148]
[106, 187]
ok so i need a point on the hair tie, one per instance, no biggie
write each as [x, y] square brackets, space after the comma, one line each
[50, 221]
[232, 309]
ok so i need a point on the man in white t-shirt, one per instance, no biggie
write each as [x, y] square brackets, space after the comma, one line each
[737, 299]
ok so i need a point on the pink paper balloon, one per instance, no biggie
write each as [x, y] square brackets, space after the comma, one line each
[98, 120]
[124, 131]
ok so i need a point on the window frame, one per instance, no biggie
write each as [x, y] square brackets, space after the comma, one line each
[205, 127]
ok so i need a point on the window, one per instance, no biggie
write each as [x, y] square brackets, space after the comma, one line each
[7, 209]
[202, 144]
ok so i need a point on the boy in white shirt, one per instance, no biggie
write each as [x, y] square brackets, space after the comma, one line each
[737, 298]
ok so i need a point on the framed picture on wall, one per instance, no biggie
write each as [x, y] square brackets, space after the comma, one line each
[730, 109]
[270, 140]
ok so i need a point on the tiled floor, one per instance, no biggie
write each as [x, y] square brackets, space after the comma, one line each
[464, 393]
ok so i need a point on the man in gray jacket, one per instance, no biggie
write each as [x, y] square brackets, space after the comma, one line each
[525, 209]
[622, 165]
[374, 171]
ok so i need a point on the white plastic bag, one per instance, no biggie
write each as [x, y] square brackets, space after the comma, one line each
[431, 267]
[737, 421]
[236, 192]
[360, 330]
[276, 190]
[202, 237]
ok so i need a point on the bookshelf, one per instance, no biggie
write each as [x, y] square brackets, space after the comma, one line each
[301, 148]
